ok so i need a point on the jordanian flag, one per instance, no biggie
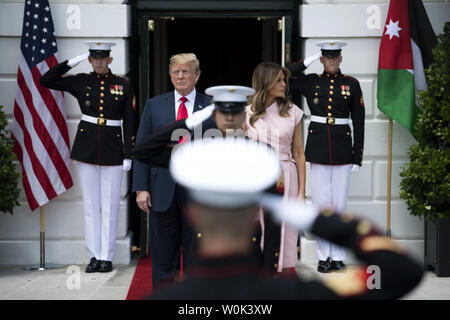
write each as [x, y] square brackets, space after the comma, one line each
[405, 51]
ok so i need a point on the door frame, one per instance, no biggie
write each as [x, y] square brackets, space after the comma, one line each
[139, 73]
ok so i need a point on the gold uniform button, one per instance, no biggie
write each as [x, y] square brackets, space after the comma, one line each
[329, 114]
[346, 217]
[102, 82]
[254, 239]
[332, 81]
[276, 254]
[102, 88]
[327, 212]
[330, 99]
[348, 133]
[87, 94]
[81, 130]
[102, 94]
[329, 107]
[101, 108]
[363, 228]
[331, 87]
[101, 115]
[199, 235]
[116, 98]
[101, 101]
[331, 92]
[276, 265]
[310, 131]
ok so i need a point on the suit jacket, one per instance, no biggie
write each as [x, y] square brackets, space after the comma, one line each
[331, 96]
[158, 113]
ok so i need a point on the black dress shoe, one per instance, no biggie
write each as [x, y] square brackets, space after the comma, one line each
[92, 266]
[324, 266]
[105, 266]
[337, 265]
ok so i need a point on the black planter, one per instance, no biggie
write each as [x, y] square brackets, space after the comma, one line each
[437, 247]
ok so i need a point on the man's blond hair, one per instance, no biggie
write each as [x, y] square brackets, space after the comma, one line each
[185, 58]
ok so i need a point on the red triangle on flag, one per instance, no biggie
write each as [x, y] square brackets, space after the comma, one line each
[395, 47]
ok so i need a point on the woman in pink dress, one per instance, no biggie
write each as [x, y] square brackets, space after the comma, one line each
[273, 119]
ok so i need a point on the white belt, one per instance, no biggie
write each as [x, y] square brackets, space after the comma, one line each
[101, 121]
[329, 120]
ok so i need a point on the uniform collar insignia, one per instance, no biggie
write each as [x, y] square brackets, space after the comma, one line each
[93, 73]
[328, 75]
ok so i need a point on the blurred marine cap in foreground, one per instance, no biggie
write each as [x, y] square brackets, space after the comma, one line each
[225, 173]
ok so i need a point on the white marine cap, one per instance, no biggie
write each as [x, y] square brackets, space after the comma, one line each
[331, 47]
[225, 173]
[229, 93]
[230, 98]
[99, 47]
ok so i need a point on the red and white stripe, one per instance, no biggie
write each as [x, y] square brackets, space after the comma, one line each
[41, 138]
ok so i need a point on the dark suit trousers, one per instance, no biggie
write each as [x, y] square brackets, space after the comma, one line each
[169, 230]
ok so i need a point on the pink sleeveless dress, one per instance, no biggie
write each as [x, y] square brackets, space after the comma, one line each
[278, 132]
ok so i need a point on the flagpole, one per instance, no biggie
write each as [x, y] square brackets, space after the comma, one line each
[42, 266]
[388, 211]
[42, 241]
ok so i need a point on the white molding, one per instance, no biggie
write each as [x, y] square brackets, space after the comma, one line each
[351, 19]
[95, 20]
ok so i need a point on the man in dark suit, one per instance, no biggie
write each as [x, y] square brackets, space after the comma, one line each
[332, 98]
[155, 188]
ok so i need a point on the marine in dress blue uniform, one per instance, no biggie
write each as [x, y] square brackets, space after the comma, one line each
[333, 98]
[225, 194]
[103, 144]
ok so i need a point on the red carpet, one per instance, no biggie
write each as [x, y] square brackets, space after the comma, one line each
[141, 285]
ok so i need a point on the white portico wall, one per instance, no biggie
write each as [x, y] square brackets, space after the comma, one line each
[361, 24]
[75, 22]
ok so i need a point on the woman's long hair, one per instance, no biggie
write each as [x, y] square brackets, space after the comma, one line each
[264, 78]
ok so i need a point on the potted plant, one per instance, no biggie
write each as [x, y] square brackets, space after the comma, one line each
[425, 184]
[9, 193]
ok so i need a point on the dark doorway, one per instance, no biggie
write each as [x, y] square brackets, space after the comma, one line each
[228, 48]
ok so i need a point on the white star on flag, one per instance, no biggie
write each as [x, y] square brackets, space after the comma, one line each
[392, 29]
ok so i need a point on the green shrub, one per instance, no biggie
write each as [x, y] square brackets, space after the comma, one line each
[9, 193]
[425, 184]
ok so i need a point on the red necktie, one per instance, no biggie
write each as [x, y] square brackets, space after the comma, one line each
[182, 114]
[182, 110]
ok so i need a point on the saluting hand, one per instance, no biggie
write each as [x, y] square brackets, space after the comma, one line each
[307, 62]
[198, 117]
[75, 61]
[292, 211]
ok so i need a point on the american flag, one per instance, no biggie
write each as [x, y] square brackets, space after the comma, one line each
[39, 127]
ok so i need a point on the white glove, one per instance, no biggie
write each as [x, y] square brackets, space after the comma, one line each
[126, 165]
[199, 116]
[294, 212]
[307, 62]
[355, 168]
[75, 61]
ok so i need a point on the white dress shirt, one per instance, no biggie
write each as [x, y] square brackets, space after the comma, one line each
[189, 104]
